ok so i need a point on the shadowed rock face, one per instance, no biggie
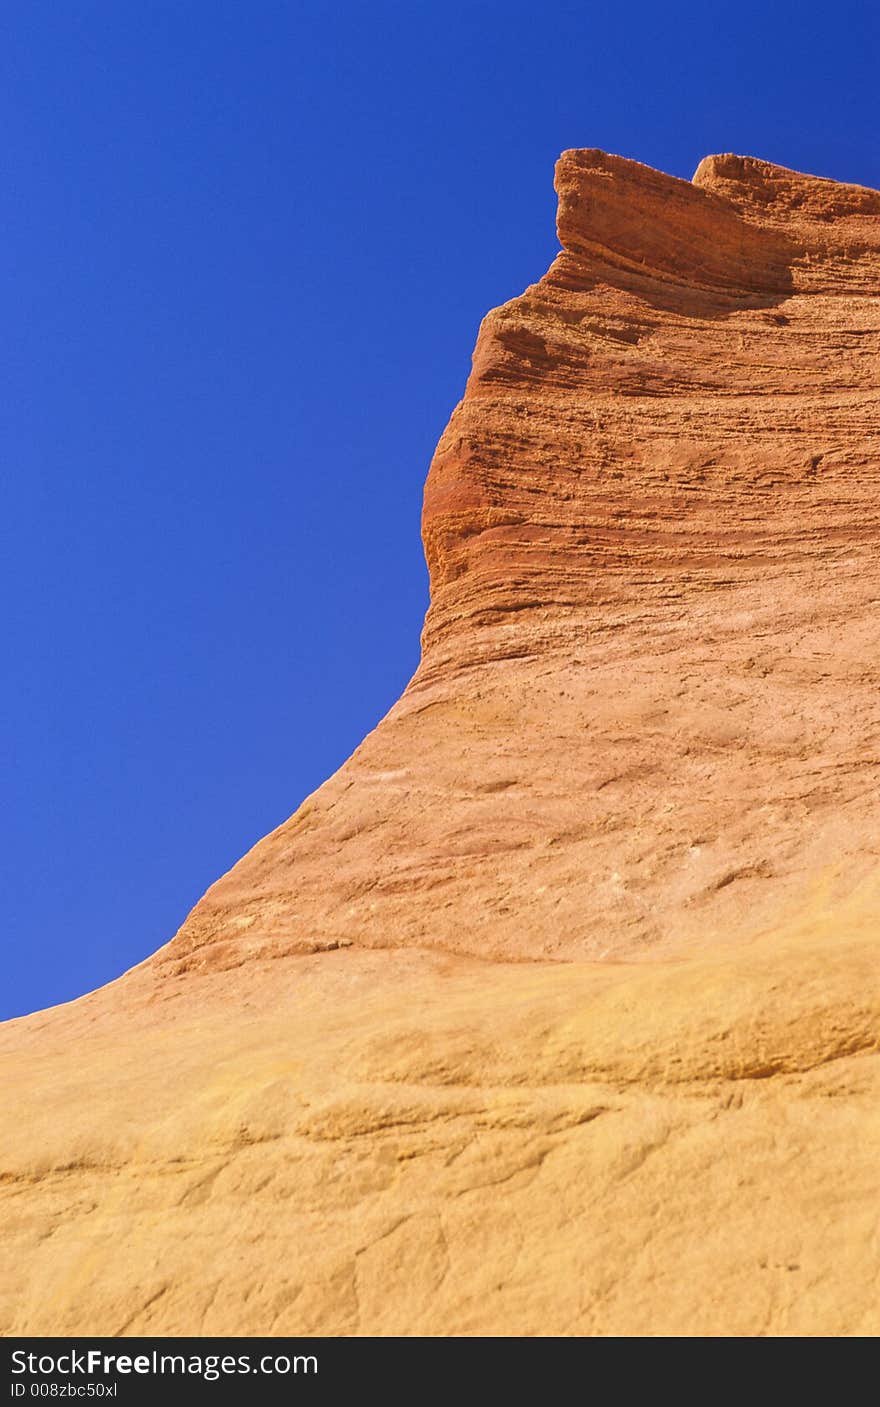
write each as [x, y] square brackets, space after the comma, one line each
[555, 1010]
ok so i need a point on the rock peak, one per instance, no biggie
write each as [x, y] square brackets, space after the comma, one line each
[765, 188]
[741, 224]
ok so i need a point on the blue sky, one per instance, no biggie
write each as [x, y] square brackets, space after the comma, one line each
[245, 252]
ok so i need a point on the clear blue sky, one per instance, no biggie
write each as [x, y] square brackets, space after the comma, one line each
[245, 251]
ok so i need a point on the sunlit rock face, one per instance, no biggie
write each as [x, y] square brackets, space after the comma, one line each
[647, 709]
[555, 1010]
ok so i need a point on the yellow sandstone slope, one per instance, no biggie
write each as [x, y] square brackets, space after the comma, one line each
[556, 1009]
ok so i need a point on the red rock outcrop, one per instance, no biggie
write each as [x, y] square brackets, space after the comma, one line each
[555, 1010]
[647, 707]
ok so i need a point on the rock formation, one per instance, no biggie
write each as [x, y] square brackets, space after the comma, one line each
[555, 1010]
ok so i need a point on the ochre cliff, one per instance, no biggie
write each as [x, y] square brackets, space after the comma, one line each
[555, 1010]
[647, 709]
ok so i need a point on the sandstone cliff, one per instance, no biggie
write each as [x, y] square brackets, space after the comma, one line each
[555, 1010]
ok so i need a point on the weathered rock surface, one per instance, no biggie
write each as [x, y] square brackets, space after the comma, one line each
[557, 1009]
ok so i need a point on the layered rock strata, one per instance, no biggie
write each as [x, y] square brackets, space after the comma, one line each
[555, 1010]
[647, 709]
